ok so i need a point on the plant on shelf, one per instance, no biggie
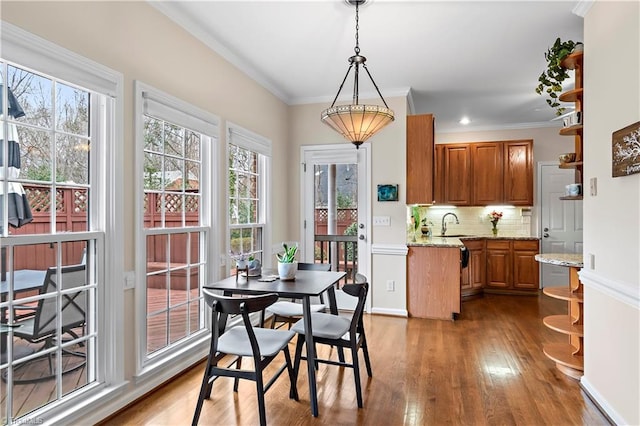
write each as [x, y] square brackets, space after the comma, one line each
[494, 217]
[550, 81]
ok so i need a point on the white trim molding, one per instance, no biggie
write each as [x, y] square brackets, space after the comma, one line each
[601, 402]
[392, 312]
[390, 249]
[623, 292]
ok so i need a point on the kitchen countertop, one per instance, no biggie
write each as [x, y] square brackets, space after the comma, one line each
[561, 259]
[459, 241]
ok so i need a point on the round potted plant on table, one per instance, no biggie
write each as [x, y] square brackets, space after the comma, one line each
[550, 81]
[287, 264]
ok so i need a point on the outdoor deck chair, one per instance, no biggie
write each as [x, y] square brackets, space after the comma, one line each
[42, 326]
[262, 344]
[341, 332]
[289, 312]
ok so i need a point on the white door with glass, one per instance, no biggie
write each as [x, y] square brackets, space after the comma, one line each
[560, 221]
[336, 207]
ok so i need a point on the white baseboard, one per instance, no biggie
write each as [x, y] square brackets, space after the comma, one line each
[392, 312]
[602, 402]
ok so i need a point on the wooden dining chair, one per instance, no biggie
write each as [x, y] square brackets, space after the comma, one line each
[340, 331]
[289, 312]
[262, 344]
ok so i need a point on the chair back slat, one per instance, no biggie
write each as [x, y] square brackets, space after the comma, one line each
[359, 290]
[237, 305]
[73, 304]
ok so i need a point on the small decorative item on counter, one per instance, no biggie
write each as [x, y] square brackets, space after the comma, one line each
[494, 217]
[239, 258]
[426, 227]
[415, 221]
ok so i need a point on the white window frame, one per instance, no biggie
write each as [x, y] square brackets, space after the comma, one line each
[175, 358]
[32, 52]
[243, 138]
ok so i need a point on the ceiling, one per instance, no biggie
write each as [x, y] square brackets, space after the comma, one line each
[475, 58]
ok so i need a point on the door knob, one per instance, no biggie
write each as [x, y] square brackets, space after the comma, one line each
[361, 226]
[546, 229]
[361, 237]
[545, 235]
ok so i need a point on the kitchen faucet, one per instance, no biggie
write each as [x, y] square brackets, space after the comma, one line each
[444, 225]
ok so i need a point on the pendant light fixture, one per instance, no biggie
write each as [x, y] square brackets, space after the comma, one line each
[357, 122]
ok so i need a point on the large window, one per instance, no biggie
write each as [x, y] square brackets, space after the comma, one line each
[175, 141]
[54, 345]
[249, 166]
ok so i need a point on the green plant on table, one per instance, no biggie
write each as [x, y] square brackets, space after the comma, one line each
[289, 253]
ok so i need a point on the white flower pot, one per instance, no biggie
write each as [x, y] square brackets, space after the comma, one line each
[287, 271]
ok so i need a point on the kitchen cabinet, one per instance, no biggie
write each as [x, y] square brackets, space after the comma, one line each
[433, 282]
[484, 173]
[473, 276]
[456, 175]
[518, 173]
[487, 165]
[420, 150]
[511, 266]
[575, 95]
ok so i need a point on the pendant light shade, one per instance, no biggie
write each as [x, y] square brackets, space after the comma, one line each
[357, 122]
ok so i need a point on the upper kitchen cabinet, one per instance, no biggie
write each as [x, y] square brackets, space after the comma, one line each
[420, 162]
[484, 173]
[487, 160]
[457, 174]
[518, 173]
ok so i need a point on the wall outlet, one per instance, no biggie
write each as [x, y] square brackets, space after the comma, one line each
[129, 280]
[391, 285]
[381, 221]
[592, 261]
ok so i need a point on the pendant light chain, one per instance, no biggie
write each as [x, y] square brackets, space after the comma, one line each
[357, 48]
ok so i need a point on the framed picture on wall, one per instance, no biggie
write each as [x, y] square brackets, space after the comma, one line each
[387, 192]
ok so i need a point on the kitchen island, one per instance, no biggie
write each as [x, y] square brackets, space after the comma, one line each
[433, 274]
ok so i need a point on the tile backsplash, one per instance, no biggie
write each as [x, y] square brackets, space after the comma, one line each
[515, 222]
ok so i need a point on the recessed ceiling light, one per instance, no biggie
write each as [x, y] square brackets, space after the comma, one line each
[465, 120]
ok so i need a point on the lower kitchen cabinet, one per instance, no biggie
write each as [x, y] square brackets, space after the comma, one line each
[511, 266]
[473, 276]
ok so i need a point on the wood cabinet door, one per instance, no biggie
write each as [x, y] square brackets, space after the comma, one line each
[477, 268]
[526, 269]
[439, 176]
[518, 172]
[420, 173]
[487, 172]
[498, 264]
[457, 174]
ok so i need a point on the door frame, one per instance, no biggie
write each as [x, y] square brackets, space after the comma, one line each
[364, 205]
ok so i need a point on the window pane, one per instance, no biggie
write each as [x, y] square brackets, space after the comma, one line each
[174, 174]
[192, 145]
[152, 171]
[72, 159]
[33, 93]
[178, 323]
[72, 110]
[192, 209]
[35, 154]
[192, 171]
[152, 134]
[156, 331]
[173, 139]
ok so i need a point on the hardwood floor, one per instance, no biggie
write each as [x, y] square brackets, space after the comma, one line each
[486, 368]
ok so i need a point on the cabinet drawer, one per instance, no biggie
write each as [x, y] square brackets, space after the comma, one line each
[498, 244]
[525, 245]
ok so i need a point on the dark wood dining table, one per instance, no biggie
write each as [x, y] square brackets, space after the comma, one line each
[306, 285]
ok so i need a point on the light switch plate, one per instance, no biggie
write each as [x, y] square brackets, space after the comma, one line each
[381, 221]
[593, 186]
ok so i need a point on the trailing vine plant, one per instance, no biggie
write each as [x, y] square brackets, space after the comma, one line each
[550, 81]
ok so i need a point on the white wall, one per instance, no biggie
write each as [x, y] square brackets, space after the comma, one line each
[612, 218]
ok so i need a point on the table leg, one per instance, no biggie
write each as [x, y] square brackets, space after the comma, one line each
[311, 354]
